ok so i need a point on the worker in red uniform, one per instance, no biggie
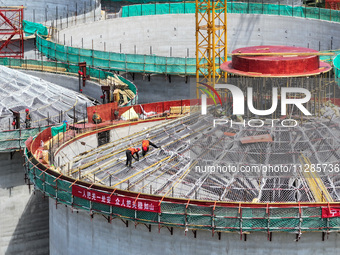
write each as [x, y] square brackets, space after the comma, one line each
[28, 118]
[145, 145]
[130, 154]
[14, 123]
[96, 118]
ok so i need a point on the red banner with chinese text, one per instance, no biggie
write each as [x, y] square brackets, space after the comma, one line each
[330, 212]
[114, 200]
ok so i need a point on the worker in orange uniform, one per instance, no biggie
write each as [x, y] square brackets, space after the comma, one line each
[130, 154]
[96, 118]
[28, 118]
[145, 145]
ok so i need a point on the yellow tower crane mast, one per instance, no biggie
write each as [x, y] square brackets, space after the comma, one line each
[211, 40]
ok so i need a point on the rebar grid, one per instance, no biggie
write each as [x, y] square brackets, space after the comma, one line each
[192, 146]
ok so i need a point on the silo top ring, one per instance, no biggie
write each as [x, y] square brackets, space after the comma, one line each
[275, 61]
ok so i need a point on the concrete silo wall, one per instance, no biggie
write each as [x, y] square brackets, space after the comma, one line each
[23, 214]
[45, 11]
[76, 233]
[174, 34]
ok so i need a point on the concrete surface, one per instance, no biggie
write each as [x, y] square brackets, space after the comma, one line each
[77, 233]
[24, 216]
[174, 34]
[45, 11]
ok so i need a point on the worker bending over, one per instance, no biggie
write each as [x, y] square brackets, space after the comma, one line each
[130, 154]
[145, 145]
[96, 118]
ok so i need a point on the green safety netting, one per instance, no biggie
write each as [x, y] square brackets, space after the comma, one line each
[336, 63]
[234, 7]
[30, 28]
[331, 57]
[15, 139]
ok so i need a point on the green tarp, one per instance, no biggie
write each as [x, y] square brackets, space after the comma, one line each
[58, 129]
[336, 63]
[30, 28]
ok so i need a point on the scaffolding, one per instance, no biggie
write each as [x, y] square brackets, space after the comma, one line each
[211, 40]
[11, 32]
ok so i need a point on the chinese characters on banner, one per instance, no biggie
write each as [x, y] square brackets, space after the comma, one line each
[330, 212]
[119, 201]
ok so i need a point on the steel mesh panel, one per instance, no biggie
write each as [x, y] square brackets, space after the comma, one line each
[82, 203]
[254, 213]
[172, 219]
[101, 208]
[227, 223]
[313, 223]
[226, 212]
[284, 224]
[284, 212]
[254, 224]
[199, 210]
[198, 221]
[173, 208]
[123, 212]
[50, 190]
[64, 196]
[147, 216]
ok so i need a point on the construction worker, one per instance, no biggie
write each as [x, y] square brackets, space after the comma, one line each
[14, 123]
[145, 145]
[28, 118]
[130, 154]
[96, 118]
